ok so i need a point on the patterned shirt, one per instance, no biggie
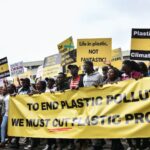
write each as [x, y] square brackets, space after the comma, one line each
[75, 83]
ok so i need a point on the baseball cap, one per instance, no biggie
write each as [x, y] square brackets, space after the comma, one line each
[72, 66]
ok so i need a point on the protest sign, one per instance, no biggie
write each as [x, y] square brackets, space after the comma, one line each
[96, 50]
[4, 68]
[140, 47]
[67, 51]
[116, 58]
[52, 66]
[26, 74]
[17, 68]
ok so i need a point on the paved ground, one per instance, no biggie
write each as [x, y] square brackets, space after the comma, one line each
[106, 147]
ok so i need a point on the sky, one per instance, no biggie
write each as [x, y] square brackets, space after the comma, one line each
[31, 29]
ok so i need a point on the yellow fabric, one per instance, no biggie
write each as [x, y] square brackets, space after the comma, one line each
[114, 111]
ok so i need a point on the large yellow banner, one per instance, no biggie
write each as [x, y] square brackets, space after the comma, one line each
[114, 111]
[97, 50]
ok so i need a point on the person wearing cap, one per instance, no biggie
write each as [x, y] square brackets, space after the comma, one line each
[76, 80]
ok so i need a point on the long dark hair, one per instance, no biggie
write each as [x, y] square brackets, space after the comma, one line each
[143, 69]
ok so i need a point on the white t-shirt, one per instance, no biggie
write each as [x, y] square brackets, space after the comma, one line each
[6, 101]
[92, 79]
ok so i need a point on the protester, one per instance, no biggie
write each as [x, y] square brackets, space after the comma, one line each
[51, 87]
[113, 76]
[105, 71]
[25, 86]
[40, 88]
[145, 144]
[24, 89]
[76, 80]
[91, 77]
[143, 69]
[61, 82]
[131, 70]
[7, 92]
[74, 83]
[61, 86]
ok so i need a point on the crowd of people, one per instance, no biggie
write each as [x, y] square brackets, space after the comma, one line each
[130, 69]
